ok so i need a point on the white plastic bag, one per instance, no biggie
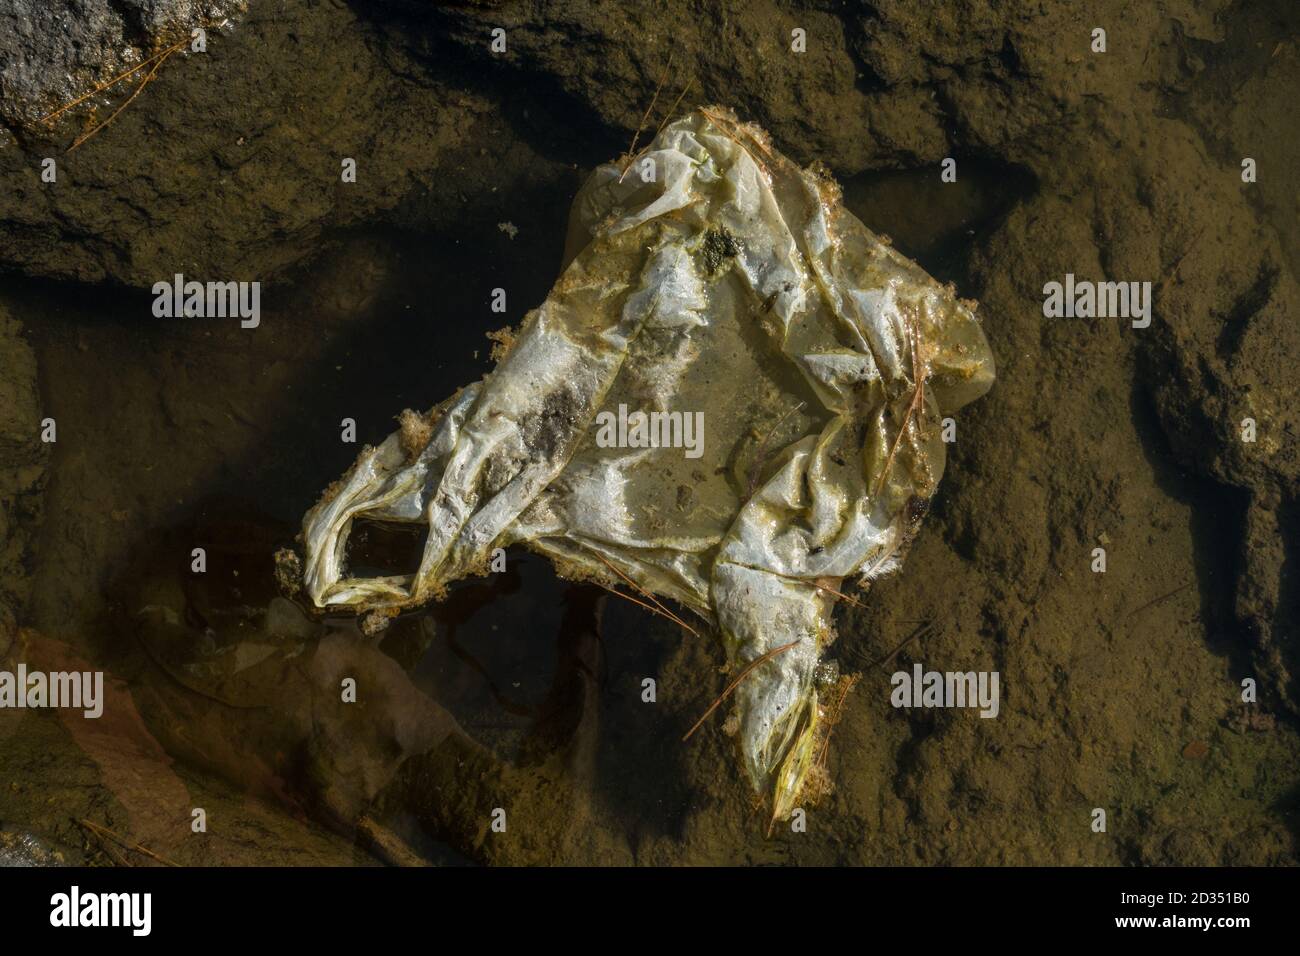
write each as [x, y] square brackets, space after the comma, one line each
[712, 278]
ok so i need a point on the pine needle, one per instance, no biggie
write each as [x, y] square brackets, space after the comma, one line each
[921, 631]
[673, 109]
[102, 832]
[821, 587]
[642, 591]
[918, 402]
[839, 594]
[645, 117]
[111, 83]
[638, 602]
[138, 90]
[835, 716]
[736, 683]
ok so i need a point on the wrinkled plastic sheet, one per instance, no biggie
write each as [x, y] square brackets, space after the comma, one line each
[735, 284]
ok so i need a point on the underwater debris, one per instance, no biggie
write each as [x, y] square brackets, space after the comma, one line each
[732, 283]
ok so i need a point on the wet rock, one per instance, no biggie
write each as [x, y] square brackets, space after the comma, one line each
[885, 83]
[18, 847]
[229, 165]
[52, 51]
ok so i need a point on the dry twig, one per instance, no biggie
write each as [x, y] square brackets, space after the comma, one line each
[103, 832]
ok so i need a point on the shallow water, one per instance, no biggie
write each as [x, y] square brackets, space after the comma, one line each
[406, 325]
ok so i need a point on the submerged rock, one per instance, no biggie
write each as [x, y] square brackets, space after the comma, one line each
[786, 373]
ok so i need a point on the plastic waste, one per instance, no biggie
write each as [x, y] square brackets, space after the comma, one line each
[733, 395]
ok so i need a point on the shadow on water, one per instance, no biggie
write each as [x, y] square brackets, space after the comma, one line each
[537, 108]
[937, 223]
[226, 673]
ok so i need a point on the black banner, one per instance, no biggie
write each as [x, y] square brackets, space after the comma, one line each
[230, 906]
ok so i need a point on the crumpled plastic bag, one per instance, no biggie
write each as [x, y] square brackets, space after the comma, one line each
[733, 283]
